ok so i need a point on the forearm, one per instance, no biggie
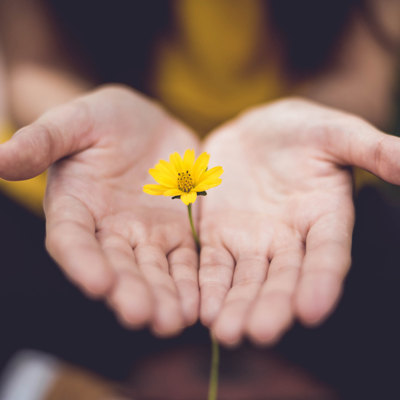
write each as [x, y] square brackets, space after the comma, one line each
[363, 77]
[367, 95]
[35, 88]
[40, 73]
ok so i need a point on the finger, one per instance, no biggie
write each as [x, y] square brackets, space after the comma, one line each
[183, 265]
[325, 265]
[130, 297]
[168, 316]
[358, 143]
[61, 131]
[215, 279]
[250, 273]
[73, 127]
[272, 311]
[72, 243]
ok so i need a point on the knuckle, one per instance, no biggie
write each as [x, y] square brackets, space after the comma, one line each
[378, 155]
[210, 258]
[166, 292]
[49, 243]
[187, 282]
[54, 236]
[248, 280]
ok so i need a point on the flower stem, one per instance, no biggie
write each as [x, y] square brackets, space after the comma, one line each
[195, 237]
[213, 388]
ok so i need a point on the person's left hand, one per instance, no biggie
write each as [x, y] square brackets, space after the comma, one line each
[276, 235]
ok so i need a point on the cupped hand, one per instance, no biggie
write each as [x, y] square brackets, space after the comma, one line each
[108, 236]
[276, 235]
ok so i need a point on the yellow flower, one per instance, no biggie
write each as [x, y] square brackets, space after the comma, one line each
[184, 179]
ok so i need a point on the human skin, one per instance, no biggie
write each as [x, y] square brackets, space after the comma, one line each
[276, 235]
[110, 238]
[39, 82]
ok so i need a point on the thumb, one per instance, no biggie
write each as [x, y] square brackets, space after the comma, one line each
[357, 143]
[60, 132]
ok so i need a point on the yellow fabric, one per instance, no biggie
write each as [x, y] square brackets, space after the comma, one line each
[28, 193]
[215, 62]
[363, 178]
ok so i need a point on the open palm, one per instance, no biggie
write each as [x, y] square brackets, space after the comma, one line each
[276, 237]
[106, 234]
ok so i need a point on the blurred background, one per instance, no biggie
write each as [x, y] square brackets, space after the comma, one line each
[205, 61]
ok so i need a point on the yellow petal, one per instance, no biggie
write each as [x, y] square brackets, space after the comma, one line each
[156, 190]
[163, 179]
[188, 160]
[213, 173]
[213, 183]
[188, 198]
[176, 160]
[173, 192]
[169, 166]
[208, 184]
[200, 165]
[202, 187]
[164, 170]
[156, 187]
[194, 196]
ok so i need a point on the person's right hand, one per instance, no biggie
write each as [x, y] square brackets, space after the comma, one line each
[106, 234]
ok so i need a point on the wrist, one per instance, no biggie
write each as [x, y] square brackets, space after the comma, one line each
[34, 89]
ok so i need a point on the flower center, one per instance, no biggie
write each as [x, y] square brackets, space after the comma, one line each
[185, 182]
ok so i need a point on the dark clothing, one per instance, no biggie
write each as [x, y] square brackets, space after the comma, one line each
[356, 350]
[115, 38]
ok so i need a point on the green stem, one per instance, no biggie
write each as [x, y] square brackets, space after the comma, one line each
[195, 237]
[213, 388]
